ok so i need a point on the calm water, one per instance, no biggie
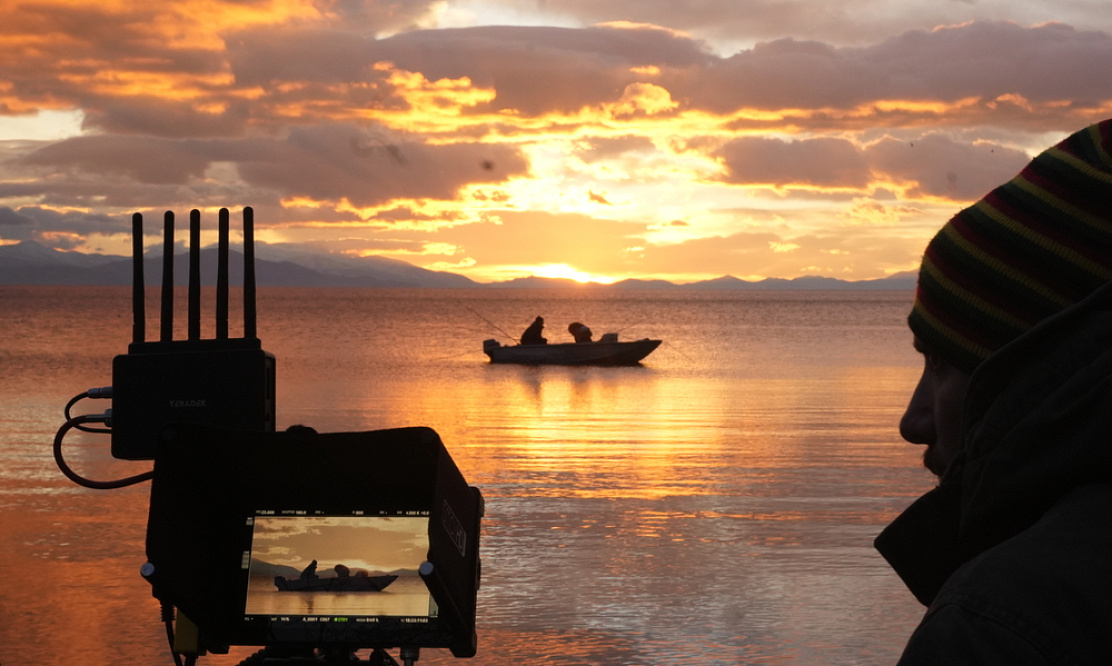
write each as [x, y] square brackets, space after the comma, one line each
[407, 595]
[714, 506]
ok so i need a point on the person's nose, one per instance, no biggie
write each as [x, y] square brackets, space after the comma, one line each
[917, 424]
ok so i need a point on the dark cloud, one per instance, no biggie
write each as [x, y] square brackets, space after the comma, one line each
[63, 231]
[487, 51]
[846, 22]
[982, 61]
[10, 218]
[539, 70]
[989, 59]
[934, 165]
[269, 57]
[943, 167]
[598, 148]
[821, 162]
[275, 75]
[330, 162]
[122, 194]
[143, 159]
[153, 116]
[534, 70]
[377, 16]
[320, 163]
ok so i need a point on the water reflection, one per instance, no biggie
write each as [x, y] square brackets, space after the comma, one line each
[715, 506]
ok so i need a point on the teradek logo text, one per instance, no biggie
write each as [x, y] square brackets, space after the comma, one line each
[178, 404]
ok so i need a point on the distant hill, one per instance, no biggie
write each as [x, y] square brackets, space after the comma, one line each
[262, 568]
[31, 263]
[288, 266]
[904, 280]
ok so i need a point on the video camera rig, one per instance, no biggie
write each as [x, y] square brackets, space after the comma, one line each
[313, 545]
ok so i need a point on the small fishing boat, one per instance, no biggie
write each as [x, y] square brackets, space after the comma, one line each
[334, 583]
[606, 351]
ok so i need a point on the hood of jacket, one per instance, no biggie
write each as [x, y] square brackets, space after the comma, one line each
[1037, 424]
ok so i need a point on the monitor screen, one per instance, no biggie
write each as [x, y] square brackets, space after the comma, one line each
[306, 566]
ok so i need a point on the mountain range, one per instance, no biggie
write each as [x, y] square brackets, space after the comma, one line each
[29, 262]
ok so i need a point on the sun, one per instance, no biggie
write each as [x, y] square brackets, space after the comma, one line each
[566, 272]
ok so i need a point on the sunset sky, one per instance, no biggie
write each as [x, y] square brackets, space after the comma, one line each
[681, 140]
[376, 545]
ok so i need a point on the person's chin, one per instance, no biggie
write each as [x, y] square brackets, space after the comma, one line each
[932, 462]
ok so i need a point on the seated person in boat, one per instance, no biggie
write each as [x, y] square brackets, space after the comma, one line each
[310, 571]
[580, 332]
[532, 335]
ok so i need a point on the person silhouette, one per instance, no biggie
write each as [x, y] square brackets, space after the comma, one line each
[1013, 318]
[532, 335]
[310, 571]
[580, 332]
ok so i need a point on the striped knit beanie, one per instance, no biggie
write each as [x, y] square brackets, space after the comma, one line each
[1030, 248]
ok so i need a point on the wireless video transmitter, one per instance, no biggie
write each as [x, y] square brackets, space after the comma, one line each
[225, 382]
[204, 411]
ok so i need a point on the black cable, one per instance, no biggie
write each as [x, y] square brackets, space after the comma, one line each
[77, 478]
[77, 398]
[167, 613]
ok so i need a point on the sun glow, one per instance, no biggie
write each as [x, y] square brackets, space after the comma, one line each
[566, 272]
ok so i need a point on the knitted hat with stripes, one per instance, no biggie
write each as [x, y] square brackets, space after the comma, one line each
[1030, 248]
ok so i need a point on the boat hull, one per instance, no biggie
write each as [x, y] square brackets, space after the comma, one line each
[630, 352]
[334, 584]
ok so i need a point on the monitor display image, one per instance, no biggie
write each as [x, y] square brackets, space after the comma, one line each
[363, 567]
[367, 540]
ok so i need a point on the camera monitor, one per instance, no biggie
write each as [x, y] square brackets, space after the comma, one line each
[361, 540]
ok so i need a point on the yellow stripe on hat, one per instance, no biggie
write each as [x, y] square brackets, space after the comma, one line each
[971, 298]
[1042, 240]
[1094, 136]
[995, 264]
[950, 334]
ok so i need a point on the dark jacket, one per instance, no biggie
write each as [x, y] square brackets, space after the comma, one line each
[1012, 552]
[532, 334]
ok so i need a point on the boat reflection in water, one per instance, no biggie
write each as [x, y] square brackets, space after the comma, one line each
[606, 351]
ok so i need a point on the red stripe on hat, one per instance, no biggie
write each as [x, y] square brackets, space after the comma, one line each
[960, 331]
[1052, 238]
[1022, 278]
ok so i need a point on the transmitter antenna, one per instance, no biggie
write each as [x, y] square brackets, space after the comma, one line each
[222, 277]
[223, 280]
[138, 291]
[194, 274]
[249, 313]
[167, 332]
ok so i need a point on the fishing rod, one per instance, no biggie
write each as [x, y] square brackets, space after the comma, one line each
[628, 326]
[490, 323]
[677, 350]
